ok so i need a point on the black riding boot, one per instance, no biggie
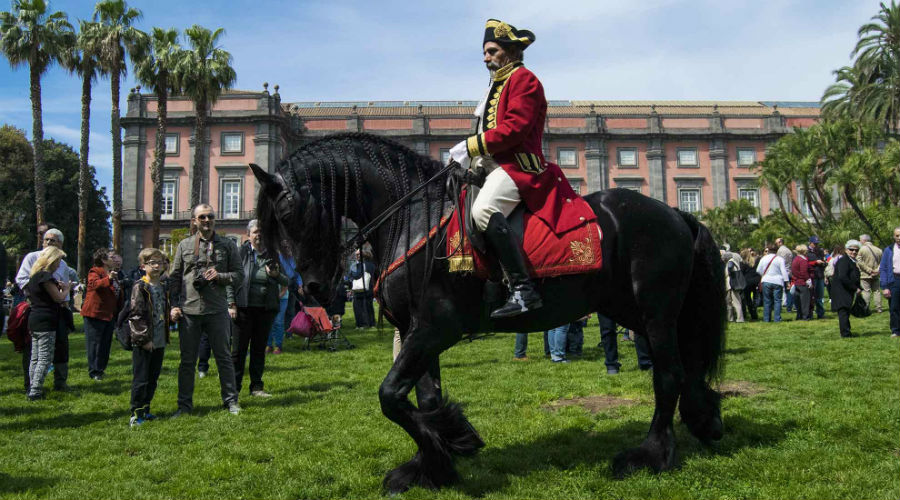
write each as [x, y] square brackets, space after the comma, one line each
[523, 296]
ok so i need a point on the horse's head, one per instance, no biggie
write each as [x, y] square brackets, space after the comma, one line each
[290, 216]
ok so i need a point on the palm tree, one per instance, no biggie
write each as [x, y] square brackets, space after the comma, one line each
[117, 36]
[154, 68]
[83, 60]
[30, 35]
[870, 89]
[205, 71]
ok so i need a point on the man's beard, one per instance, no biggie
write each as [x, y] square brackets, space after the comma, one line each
[492, 67]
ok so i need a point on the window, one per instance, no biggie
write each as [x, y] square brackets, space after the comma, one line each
[445, 156]
[689, 200]
[751, 195]
[231, 199]
[746, 157]
[687, 157]
[168, 199]
[232, 143]
[566, 157]
[165, 244]
[627, 157]
[575, 183]
[804, 203]
[172, 144]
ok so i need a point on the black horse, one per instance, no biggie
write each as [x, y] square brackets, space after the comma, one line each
[662, 277]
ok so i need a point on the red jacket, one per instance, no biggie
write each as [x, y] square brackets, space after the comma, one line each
[101, 298]
[800, 270]
[514, 122]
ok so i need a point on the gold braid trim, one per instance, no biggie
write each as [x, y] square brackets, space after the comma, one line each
[503, 30]
[475, 145]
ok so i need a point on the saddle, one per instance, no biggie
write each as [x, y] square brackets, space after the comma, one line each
[546, 254]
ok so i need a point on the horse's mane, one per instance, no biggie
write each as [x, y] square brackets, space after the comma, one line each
[318, 163]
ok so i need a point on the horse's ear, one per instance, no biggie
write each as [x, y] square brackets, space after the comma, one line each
[267, 181]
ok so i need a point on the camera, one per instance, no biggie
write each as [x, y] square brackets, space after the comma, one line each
[200, 282]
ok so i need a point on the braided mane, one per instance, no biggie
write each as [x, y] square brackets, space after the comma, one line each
[317, 167]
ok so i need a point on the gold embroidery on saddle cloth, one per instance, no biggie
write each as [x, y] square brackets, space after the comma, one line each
[582, 252]
[460, 260]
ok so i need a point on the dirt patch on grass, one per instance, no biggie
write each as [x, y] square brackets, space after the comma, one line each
[740, 389]
[593, 404]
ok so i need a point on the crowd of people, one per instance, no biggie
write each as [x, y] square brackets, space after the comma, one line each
[226, 300]
[797, 280]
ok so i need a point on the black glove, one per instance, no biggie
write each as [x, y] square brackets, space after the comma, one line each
[467, 176]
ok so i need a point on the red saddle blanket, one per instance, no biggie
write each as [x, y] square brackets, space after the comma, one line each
[546, 253]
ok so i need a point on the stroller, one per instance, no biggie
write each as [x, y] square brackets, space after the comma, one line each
[313, 323]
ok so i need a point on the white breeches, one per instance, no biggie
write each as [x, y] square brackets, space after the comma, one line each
[499, 194]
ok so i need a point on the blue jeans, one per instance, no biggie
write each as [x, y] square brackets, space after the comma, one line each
[276, 334]
[557, 339]
[772, 299]
[575, 338]
[522, 345]
[819, 286]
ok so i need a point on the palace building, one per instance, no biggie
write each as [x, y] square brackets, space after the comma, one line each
[692, 155]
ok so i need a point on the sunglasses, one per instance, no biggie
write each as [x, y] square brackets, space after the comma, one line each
[852, 249]
[206, 217]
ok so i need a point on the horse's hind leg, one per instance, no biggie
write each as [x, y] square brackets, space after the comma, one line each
[657, 452]
[699, 404]
[439, 428]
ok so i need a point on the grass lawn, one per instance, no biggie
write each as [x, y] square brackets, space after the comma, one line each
[807, 415]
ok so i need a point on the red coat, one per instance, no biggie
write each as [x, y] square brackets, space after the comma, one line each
[100, 299]
[515, 128]
[800, 270]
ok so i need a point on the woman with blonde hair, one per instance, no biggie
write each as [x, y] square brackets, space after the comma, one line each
[47, 297]
[801, 279]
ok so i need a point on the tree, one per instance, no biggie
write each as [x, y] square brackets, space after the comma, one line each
[62, 169]
[154, 67]
[118, 36]
[83, 60]
[30, 35]
[731, 223]
[205, 71]
[870, 89]
[17, 214]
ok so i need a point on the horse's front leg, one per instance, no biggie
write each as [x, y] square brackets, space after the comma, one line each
[438, 427]
[657, 452]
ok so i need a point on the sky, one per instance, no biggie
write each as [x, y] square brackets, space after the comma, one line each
[333, 50]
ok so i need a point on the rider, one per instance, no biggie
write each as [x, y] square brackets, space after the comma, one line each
[509, 136]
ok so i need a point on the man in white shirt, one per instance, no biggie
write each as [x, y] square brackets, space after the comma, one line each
[774, 277]
[52, 237]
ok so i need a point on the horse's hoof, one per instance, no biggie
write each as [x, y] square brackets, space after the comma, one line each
[635, 459]
[416, 473]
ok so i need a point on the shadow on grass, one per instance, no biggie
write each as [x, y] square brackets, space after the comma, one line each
[65, 420]
[492, 470]
[13, 484]
[738, 350]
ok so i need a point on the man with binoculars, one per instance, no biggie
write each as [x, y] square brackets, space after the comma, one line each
[204, 275]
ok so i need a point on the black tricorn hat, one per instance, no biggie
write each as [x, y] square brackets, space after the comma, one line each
[502, 33]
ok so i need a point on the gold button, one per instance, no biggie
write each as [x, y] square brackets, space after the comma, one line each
[559, 179]
[581, 218]
[568, 200]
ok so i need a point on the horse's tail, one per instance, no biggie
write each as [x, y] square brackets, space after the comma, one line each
[701, 335]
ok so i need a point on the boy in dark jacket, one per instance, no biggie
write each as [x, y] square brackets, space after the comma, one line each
[149, 325]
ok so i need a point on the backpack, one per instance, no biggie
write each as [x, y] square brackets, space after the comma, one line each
[736, 277]
[123, 328]
[17, 325]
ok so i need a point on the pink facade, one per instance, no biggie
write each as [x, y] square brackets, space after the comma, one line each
[326, 125]
[624, 123]
[566, 122]
[628, 174]
[743, 123]
[449, 123]
[685, 123]
[387, 125]
[676, 175]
